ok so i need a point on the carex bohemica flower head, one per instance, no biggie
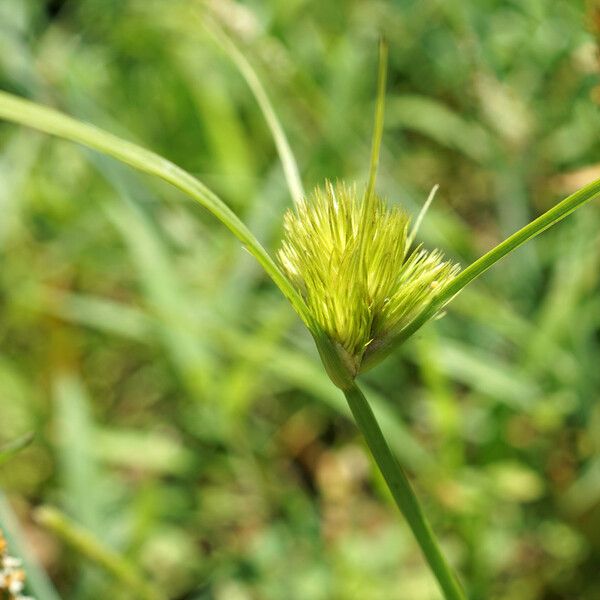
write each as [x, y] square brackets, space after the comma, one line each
[349, 255]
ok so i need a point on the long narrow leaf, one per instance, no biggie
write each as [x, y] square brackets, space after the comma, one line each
[288, 161]
[378, 125]
[30, 114]
[482, 264]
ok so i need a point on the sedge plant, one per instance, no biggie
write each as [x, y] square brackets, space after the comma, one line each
[347, 265]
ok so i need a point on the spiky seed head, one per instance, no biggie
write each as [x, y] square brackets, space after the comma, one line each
[349, 256]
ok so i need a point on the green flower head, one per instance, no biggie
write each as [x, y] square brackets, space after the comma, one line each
[352, 259]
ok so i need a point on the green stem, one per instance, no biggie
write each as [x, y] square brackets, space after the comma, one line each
[403, 493]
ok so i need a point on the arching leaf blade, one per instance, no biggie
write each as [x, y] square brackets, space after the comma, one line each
[481, 265]
[47, 120]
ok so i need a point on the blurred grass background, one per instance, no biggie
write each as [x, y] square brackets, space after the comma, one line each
[180, 410]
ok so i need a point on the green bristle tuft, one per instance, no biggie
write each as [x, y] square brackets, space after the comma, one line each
[356, 271]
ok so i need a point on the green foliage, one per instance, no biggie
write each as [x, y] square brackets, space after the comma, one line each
[222, 457]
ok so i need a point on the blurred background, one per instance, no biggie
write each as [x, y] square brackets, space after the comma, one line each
[179, 408]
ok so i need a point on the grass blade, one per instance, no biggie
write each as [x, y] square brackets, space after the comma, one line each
[288, 161]
[30, 114]
[379, 118]
[76, 466]
[537, 226]
[482, 264]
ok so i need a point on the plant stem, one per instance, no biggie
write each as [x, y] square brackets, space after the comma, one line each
[403, 493]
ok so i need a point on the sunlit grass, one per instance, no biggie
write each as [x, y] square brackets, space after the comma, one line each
[180, 345]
